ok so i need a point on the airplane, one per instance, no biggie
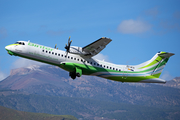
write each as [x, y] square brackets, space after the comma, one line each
[79, 61]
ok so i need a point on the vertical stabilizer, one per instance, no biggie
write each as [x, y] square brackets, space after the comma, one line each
[155, 66]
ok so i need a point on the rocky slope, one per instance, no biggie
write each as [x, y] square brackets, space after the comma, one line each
[175, 83]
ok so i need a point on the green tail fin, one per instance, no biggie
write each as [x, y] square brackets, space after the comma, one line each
[156, 65]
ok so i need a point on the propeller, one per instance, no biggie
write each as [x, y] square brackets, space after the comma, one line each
[55, 46]
[67, 47]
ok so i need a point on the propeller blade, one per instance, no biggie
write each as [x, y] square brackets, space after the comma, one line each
[69, 39]
[67, 47]
[70, 43]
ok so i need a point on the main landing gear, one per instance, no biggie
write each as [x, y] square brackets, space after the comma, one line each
[74, 74]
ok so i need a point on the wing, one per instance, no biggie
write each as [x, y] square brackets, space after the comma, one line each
[96, 47]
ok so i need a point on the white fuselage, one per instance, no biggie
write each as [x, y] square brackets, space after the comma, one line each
[56, 57]
[79, 64]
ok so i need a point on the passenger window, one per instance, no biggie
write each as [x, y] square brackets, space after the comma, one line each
[49, 52]
[55, 53]
[87, 61]
[61, 55]
[65, 56]
[42, 50]
[46, 51]
[91, 63]
[119, 70]
[68, 57]
[52, 52]
[77, 59]
[71, 57]
[94, 63]
[110, 68]
[113, 68]
[58, 54]
[81, 60]
[97, 64]
[116, 69]
[74, 58]
[104, 66]
[107, 66]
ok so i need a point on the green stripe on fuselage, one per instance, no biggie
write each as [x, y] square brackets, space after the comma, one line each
[86, 69]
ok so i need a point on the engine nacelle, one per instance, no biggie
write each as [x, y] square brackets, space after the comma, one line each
[77, 50]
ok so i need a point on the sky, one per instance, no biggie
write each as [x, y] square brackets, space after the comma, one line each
[138, 29]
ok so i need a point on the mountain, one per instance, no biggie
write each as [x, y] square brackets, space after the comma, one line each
[53, 81]
[49, 89]
[10, 114]
[175, 83]
[22, 78]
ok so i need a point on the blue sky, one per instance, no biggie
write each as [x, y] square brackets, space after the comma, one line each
[138, 29]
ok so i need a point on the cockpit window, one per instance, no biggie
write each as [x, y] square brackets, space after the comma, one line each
[21, 43]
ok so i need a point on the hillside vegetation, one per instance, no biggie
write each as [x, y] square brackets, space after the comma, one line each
[10, 114]
[85, 108]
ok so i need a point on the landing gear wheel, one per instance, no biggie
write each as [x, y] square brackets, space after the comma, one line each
[78, 74]
[73, 75]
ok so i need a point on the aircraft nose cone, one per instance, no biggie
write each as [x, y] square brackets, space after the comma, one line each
[9, 50]
[7, 47]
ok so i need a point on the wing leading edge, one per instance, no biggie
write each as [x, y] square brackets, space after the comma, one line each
[96, 47]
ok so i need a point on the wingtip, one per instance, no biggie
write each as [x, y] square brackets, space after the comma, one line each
[106, 38]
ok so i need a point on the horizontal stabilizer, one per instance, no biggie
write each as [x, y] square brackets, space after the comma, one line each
[165, 54]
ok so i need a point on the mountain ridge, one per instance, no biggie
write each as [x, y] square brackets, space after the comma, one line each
[175, 83]
[49, 87]
[53, 81]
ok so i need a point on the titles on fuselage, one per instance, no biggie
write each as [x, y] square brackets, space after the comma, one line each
[39, 46]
